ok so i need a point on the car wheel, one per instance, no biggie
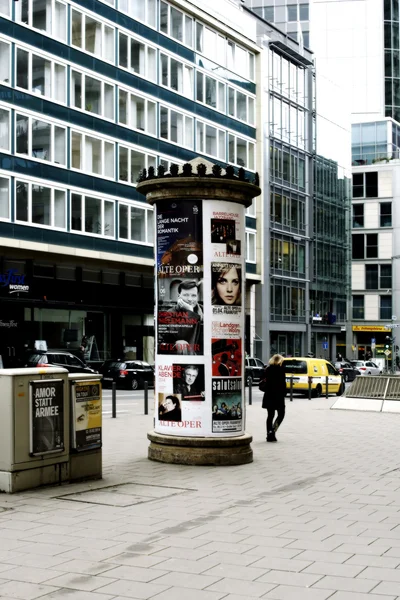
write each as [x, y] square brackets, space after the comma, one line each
[346, 377]
[134, 384]
[317, 393]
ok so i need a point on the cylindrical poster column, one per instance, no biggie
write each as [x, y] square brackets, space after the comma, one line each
[199, 314]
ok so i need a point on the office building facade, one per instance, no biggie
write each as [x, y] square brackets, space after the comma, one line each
[91, 93]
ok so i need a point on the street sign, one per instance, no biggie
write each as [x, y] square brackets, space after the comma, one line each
[394, 318]
[373, 340]
[391, 325]
[324, 345]
[387, 352]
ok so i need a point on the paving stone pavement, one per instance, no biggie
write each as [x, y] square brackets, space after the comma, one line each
[315, 516]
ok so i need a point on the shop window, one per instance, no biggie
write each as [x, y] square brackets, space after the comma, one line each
[358, 215]
[111, 277]
[132, 280]
[91, 276]
[358, 307]
[4, 198]
[65, 273]
[47, 271]
[385, 214]
[46, 15]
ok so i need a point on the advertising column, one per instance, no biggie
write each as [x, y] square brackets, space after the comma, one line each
[199, 318]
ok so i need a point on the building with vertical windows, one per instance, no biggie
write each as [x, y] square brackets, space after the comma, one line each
[375, 235]
[91, 93]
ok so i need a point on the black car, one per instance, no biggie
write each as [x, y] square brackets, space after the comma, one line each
[254, 369]
[57, 358]
[347, 370]
[130, 374]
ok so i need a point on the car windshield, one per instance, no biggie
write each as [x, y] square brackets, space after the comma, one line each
[295, 366]
[38, 358]
[115, 365]
[358, 363]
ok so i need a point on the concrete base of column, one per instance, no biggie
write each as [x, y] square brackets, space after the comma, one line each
[200, 451]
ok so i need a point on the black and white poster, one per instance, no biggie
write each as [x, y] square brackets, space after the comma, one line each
[47, 416]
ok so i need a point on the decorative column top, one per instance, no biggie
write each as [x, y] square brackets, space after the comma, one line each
[199, 178]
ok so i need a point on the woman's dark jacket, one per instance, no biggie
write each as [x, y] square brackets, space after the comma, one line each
[276, 386]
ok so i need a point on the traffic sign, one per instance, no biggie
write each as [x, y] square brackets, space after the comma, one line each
[324, 345]
[387, 352]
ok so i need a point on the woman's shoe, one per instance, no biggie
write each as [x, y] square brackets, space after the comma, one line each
[271, 436]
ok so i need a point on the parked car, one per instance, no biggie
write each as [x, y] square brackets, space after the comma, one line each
[130, 374]
[57, 358]
[367, 367]
[254, 369]
[347, 370]
[302, 370]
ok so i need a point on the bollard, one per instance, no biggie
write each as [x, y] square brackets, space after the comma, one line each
[146, 398]
[250, 386]
[291, 389]
[309, 387]
[327, 387]
[114, 399]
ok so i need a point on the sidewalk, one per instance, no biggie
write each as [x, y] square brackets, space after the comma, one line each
[315, 516]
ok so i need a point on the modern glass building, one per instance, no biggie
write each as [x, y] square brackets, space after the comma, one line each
[375, 141]
[90, 94]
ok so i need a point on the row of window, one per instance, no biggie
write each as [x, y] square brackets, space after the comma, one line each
[288, 210]
[46, 77]
[43, 205]
[287, 122]
[98, 38]
[47, 141]
[287, 256]
[287, 79]
[46, 206]
[385, 214]
[287, 166]
[287, 301]
[385, 307]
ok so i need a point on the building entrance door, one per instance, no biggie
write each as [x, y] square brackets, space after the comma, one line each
[12, 336]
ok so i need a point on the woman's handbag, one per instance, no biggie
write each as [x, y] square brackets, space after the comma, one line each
[263, 385]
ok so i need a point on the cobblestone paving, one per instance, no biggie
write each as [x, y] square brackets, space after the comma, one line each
[315, 516]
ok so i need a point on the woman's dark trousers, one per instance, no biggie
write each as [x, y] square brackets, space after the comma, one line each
[280, 409]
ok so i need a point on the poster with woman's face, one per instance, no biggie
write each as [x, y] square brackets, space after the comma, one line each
[226, 287]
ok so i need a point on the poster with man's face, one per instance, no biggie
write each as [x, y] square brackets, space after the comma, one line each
[188, 381]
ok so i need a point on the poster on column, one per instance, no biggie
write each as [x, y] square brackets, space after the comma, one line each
[226, 288]
[181, 398]
[179, 270]
[227, 407]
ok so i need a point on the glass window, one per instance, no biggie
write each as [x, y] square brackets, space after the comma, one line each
[22, 68]
[109, 214]
[385, 277]
[41, 140]
[93, 221]
[371, 185]
[385, 214]
[21, 201]
[358, 185]
[123, 221]
[292, 12]
[4, 198]
[385, 307]
[76, 38]
[76, 212]
[138, 230]
[358, 307]
[303, 10]
[371, 277]
[372, 245]
[60, 209]
[176, 27]
[358, 215]
[5, 8]
[22, 133]
[92, 95]
[4, 129]
[357, 246]
[4, 62]
[41, 205]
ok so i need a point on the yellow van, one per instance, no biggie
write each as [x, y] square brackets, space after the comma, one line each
[302, 368]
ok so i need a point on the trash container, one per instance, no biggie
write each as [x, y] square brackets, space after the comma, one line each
[85, 460]
[34, 428]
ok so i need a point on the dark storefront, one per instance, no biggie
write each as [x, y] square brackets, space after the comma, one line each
[60, 301]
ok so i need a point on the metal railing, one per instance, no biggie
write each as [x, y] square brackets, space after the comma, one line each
[385, 387]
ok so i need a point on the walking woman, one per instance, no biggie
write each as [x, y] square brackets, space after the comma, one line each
[274, 397]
